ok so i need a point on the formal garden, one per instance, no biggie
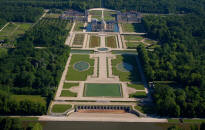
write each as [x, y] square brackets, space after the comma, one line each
[94, 41]
[111, 42]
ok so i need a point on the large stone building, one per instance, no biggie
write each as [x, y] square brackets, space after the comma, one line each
[102, 26]
[129, 17]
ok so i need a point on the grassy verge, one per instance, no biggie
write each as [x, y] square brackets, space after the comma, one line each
[133, 45]
[136, 86]
[94, 41]
[133, 37]
[69, 85]
[60, 108]
[73, 74]
[138, 95]
[67, 93]
[111, 42]
[34, 98]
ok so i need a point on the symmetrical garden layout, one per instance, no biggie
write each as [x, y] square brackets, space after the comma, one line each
[101, 73]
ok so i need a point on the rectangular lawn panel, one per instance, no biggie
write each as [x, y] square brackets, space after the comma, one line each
[94, 41]
[69, 85]
[34, 98]
[138, 95]
[60, 108]
[75, 75]
[131, 76]
[102, 90]
[136, 86]
[79, 26]
[133, 45]
[78, 40]
[133, 37]
[111, 42]
[67, 93]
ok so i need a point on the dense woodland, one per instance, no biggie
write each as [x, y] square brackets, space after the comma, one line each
[181, 59]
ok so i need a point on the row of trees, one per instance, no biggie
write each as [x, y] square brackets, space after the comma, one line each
[180, 59]
[20, 14]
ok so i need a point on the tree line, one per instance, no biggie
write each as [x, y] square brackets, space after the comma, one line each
[180, 59]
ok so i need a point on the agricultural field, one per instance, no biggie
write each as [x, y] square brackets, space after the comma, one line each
[78, 40]
[73, 73]
[94, 41]
[60, 108]
[125, 67]
[102, 90]
[79, 26]
[13, 31]
[111, 42]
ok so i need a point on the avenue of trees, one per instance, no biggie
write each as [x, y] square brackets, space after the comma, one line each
[181, 59]
[29, 71]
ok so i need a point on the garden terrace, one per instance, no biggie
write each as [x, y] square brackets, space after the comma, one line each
[94, 41]
[78, 40]
[61, 108]
[111, 42]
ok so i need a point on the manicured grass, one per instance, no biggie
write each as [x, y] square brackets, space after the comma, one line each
[133, 45]
[35, 98]
[99, 90]
[69, 85]
[147, 109]
[136, 86]
[60, 108]
[9, 29]
[131, 76]
[99, 18]
[67, 93]
[95, 12]
[110, 41]
[94, 41]
[69, 26]
[149, 41]
[78, 40]
[75, 75]
[109, 15]
[79, 26]
[128, 27]
[138, 95]
[133, 37]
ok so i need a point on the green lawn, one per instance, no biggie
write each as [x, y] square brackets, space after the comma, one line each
[138, 95]
[69, 26]
[3, 52]
[128, 27]
[99, 90]
[94, 41]
[133, 45]
[95, 12]
[99, 18]
[78, 40]
[35, 98]
[8, 29]
[136, 86]
[60, 108]
[132, 76]
[133, 37]
[69, 85]
[147, 109]
[109, 15]
[149, 41]
[68, 93]
[75, 75]
[110, 41]
[79, 26]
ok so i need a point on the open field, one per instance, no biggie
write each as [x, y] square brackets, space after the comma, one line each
[129, 27]
[60, 108]
[79, 26]
[78, 40]
[94, 41]
[136, 86]
[110, 41]
[132, 75]
[133, 45]
[133, 37]
[73, 74]
[138, 95]
[69, 85]
[35, 98]
[67, 93]
[105, 90]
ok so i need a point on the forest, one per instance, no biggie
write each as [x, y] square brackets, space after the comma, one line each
[180, 59]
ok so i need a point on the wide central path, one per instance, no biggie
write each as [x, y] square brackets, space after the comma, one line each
[102, 66]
